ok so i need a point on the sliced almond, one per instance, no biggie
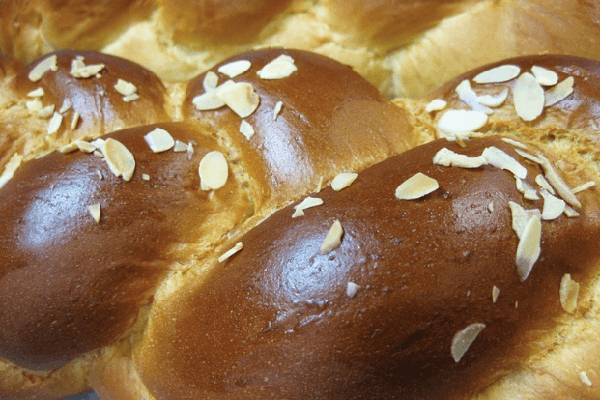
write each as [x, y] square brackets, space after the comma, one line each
[179, 147]
[55, 123]
[556, 181]
[74, 120]
[235, 68]
[68, 148]
[503, 73]
[544, 184]
[559, 92]
[238, 246]
[207, 101]
[320, 184]
[240, 97]
[119, 158]
[210, 81]
[277, 109]
[529, 249]
[34, 105]
[545, 77]
[528, 156]
[146, 177]
[461, 121]
[500, 159]
[528, 97]
[308, 202]
[125, 88]
[80, 70]
[246, 129]
[190, 151]
[520, 217]
[493, 100]
[281, 67]
[463, 339]
[467, 95]
[515, 143]
[213, 170]
[343, 180]
[448, 158]
[352, 289]
[84, 146]
[416, 186]
[568, 293]
[495, 294]
[583, 187]
[10, 168]
[159, 140]
[66, 106]
[435, 105]
[47, 111]
[333, 238]
[553, 206]
[39, 92]
[528, 191]
[94, 210]
[491, 207]
[585, 379]
[47, 64]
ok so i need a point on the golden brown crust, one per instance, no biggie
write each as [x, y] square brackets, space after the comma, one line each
[425, 269]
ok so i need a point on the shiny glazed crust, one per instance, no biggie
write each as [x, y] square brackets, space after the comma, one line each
[141, 303]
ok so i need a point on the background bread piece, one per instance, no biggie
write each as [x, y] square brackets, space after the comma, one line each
[275, 320]
[403, 47]
[163, 226]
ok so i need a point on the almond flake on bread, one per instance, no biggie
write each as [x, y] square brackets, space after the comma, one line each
[308, 202]
[528, 97]
[417, 186]
[333, 239]
[277, 109]
[461, 121]
[568, 293]
[235, 68]
[94, 211]
[119, 158]
[54, 123]
[559, 92]
[352, 289]
[47, 64]
[80, 70]
[529, 249]
[240, 97]
[281, 67]
[503, 73]
[9, 169]
[210, 81]
[39, 92]
[159, 140]
[448, 158]
[238, 246]
[213, 170]
[435, 105]
[544, 76]
[493, 100]
[246, 129]
[463, 339]
[553, 206]
[343, 180]
[500, 159]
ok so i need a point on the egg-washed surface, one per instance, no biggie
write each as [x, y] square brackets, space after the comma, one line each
[378, 315]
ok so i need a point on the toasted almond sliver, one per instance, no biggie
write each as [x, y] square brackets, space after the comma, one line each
[119, 158]
[277, 109]
[207, 101]
[463, 339]
[9, 169]
[343, 180]
[500, 159]
[68, 148]
[416, 186]
[520, 217]
[84, 146]
[235, 68]
[448, 158]
[210, 81]
[491, 207]
[80, 70]
[435, 105]
[528, 97]
[159, 140]
[34, 105]
[553, 206]
[461, 121]
[544, 184]
[213, 170]
[246, 129]
[179, 147]
[66, 106]
[515, 143]
[238, 246]
[55, 123]
[528, 191]
[499, 74]
[333, 238]
[466, 94]
[281, 67]
[529, 249]
[39, 92]
[568, 293]
[570, 212]
[47, 64]
[544, 76]
[240, 97]
[559, 92]
[94, 210]
[308, 202]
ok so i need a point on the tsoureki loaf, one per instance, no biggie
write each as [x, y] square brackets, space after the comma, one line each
[276, 228]
[404, 47]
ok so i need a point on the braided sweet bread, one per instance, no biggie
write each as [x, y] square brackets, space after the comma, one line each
[276, 228]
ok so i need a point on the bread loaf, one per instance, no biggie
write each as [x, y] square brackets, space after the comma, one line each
[276, 228]
[405, 48]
